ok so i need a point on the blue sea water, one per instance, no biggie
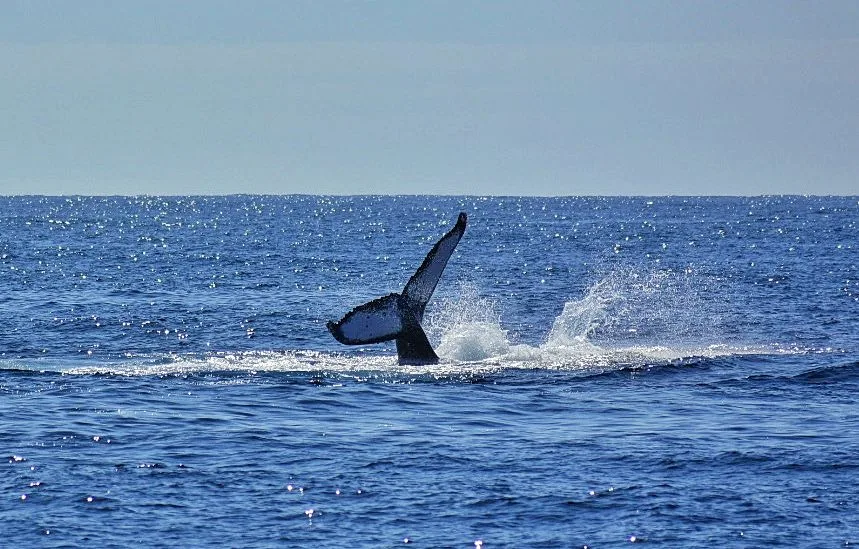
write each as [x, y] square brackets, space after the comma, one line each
[679, 372]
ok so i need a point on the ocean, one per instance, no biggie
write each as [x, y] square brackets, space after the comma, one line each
[673, 371]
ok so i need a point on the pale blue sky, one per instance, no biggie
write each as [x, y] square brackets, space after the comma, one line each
[429, 97]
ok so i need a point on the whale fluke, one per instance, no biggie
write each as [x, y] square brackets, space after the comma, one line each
[399, 316]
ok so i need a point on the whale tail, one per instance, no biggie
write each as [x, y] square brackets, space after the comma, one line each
[399, 316]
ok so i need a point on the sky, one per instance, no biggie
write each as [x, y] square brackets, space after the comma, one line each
[485, 97]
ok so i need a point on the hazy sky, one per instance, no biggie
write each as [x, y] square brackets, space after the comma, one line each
[429, 97]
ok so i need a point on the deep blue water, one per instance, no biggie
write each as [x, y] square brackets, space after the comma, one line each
[681, 372]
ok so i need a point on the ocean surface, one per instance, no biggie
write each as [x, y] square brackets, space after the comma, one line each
[678, 372]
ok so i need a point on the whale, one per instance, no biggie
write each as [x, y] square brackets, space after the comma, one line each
[398, 316]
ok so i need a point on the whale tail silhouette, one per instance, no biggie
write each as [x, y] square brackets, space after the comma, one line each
[399, 316]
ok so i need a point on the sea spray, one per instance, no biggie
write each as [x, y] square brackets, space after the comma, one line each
[632, 318]
[467, 327]
[578, 319]
[650, 307]
[629, 316]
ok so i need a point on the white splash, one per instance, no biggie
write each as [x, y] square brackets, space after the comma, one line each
[626, 319]
[468, 327]
[577, 321]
